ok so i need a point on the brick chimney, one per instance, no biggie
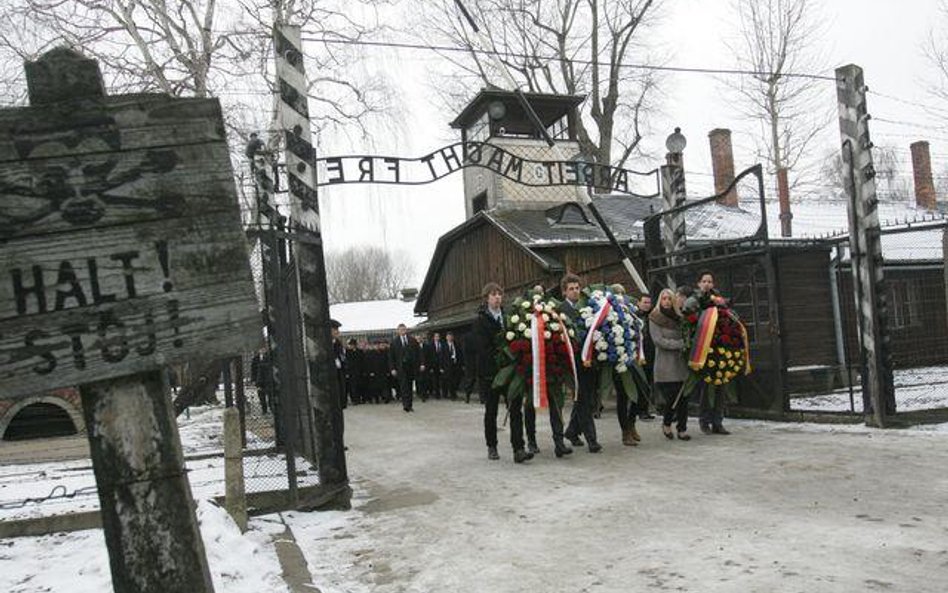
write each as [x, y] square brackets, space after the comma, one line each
[783, 193]
[722, 163]
[922, 168]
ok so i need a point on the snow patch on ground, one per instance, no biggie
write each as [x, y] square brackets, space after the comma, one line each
[923, 388]
[78, 562]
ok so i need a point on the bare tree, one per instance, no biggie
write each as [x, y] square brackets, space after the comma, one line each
[366, 273]
[558, 46]
[892, 181]
[935, 49]
[201, 48]
[777, 39]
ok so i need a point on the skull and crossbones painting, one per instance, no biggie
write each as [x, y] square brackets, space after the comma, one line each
[77, 174]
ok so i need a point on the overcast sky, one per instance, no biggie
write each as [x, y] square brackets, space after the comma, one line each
[882, 36]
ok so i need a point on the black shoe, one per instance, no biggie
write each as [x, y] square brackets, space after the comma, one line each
[720, 430]
[520, 456]
[705, 428]
[560, 449]
[575, 441]
[532, 447]
[684, 436]
[595, 447]
[492, 453]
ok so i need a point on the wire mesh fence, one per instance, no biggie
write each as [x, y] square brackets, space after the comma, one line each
[916, 320]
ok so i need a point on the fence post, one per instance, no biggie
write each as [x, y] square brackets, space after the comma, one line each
[673, 226]
[144, 494]
[234, 491]
[325, 400]
[865, 246]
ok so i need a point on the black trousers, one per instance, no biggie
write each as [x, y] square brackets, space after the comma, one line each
[677, 413]
[556, 422]
[405, 388]
[516, 413]
[581, 418]
[626, 409]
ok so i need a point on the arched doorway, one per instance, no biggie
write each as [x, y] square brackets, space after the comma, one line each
[38, 419]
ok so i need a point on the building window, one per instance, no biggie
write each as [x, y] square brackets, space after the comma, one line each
[479, 202]
[904, 299]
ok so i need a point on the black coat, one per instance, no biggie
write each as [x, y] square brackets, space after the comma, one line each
[404, 359]
[485, 332]
[431, 357]
[450, 365]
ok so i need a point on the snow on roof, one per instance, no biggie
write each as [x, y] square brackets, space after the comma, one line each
[820, 217]
[371, 316]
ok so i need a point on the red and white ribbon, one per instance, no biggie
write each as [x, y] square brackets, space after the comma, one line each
[572, 358]
[538, 349]
[589, 344]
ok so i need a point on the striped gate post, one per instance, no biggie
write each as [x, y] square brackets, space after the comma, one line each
[865, 246]
[673, 226]
[325, 399]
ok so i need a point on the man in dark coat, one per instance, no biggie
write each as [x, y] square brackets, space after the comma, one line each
[469, 362]
[643, 308]
[356, 373]
[339, 360]
[581, 419]
[487, 328]
[404, 360]
[431, 358]
[261, 372]
[450, 363]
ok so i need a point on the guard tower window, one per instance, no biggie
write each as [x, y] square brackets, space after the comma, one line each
[479, 203]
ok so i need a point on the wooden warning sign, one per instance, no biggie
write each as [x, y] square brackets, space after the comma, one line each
[121, 248]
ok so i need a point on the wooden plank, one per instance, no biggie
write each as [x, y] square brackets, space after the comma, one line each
[125, 337]
[126, 122]
[68, 192]
[90, 268]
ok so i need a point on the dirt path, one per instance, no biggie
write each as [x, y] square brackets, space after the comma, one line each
[771, 508]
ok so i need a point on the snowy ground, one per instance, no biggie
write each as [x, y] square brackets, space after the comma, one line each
[72, 483]
[923, 388]
[772, 508]
[78, 562]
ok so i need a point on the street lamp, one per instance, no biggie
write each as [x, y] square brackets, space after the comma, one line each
[676, 142]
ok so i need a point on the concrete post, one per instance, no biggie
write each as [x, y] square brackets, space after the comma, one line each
[234, 491]
[672, 226]
[147, 509]
[865, 246]
[325, 401]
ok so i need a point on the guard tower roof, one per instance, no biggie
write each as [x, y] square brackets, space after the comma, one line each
[549, 108]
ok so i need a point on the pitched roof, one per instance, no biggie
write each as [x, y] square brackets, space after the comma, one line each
[374, 316]
[572, 223]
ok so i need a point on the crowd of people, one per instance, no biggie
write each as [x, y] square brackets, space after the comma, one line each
[427, 365]
[439, 366]
[665, 369]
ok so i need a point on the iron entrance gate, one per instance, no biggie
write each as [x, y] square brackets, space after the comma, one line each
[726, 234]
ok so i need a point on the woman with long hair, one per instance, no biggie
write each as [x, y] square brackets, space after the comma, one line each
[670, 368]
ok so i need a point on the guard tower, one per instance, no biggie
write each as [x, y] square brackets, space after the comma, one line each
[496, 117]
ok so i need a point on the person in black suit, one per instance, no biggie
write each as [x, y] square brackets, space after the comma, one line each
[450, 364]
[469, 362]
[431, 358]
[356, 372]
[581, 419]
[488, 326]
[404, 360]
[339, 360]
